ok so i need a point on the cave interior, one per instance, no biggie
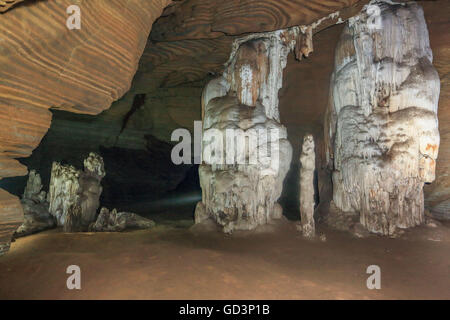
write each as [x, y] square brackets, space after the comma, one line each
[87, 144]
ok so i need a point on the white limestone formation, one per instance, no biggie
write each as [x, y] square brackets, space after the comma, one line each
[74, 195]
[64, 190]
[113, 221]
[307, 167]
[33, 189]
[246, 154]
[382, 123]
[35, 208]
[94, 171]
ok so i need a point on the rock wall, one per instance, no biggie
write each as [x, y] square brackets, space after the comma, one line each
[46, 65]
[437, 194]
[7, 4]
[382, 125]
[12, 218]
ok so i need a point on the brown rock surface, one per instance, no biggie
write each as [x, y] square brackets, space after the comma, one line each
[437, 16]
[195, 19]
[11, 218]
[46, 65]
[85, 70]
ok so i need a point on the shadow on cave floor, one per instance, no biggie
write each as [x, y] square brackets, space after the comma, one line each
[173, 263]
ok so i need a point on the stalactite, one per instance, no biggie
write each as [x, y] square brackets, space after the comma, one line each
[382, 125]
[308, 165]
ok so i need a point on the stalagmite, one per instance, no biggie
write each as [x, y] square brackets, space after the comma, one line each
[382, 123]
[34, 187]
[74, 195]
[308, 165]
[246, 154]
[35, 208]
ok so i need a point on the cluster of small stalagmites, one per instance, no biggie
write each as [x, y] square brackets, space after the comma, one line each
[241, 194]
[382, 122]
[307, 167]
[113, 221]
[35, 208]
[74, 195]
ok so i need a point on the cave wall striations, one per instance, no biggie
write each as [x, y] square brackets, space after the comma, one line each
[45, 65]
[382, 125]
[7, 4]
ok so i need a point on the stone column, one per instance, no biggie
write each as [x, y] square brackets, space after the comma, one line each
[382, 123]
[307, 167]
[240, 186]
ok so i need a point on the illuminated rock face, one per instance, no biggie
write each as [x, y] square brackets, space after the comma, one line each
[74, 195]
[308, 165]
[240, 186]
[382, 122]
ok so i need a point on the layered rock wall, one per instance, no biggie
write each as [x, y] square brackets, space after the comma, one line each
[45, 65]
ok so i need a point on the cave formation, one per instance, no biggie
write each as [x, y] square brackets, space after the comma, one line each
[355, 91]
[383, 123]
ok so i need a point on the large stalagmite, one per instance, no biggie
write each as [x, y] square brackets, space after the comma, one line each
[241, 185]
[74, 195]
[382, 123]
[308, 165]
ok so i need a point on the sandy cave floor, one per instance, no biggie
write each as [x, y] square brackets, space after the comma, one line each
[175, 262]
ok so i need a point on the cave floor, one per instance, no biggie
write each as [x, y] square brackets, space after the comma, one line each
[174, 262]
